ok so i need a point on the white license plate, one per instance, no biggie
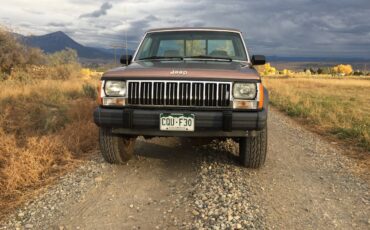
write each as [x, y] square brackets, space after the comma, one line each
[176, 122]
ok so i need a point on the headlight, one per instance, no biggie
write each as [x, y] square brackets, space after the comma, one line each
[115, 88]
[245, 91]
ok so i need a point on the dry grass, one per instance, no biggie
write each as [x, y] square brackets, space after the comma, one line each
[46, 103]
[338, 107]
[45, 128]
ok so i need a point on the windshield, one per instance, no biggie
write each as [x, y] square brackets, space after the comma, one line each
[192, 44]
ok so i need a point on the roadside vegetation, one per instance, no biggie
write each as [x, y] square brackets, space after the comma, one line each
[339, 71]
[336, 103]
[46, 126]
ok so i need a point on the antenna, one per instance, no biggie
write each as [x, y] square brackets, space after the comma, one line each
[121, 46]
[126, 46]
[125, 12]
[115, 47]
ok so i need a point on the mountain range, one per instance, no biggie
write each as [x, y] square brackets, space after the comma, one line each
[58, 41]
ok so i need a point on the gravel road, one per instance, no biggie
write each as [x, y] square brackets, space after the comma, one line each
[307, 183]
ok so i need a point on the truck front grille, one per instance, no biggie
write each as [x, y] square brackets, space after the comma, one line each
[179, 93]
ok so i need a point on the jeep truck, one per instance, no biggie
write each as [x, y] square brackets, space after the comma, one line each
[185, 82]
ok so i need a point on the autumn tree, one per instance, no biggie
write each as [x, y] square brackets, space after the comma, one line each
[343, 69]
[286, 72]
[268, 70]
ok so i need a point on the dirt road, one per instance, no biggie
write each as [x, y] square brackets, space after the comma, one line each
[306, 184]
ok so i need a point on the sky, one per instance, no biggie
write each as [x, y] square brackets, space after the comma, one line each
[301, 28]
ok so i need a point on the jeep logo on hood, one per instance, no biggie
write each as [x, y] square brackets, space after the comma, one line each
[179, 72]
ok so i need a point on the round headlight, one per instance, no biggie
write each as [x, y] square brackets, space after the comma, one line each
[115, 88]
[245, 91]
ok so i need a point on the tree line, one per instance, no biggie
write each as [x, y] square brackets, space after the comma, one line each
[338, 70]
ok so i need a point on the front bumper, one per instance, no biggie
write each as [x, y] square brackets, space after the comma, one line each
[145, 122]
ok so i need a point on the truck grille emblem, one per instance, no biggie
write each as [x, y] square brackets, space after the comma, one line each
[179, 72]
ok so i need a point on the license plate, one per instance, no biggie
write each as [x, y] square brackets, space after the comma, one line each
[176, 122]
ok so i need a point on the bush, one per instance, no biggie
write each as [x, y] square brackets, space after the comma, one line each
[86, 73]
[64, 57]
[11, 52]
[45, 128]
[15, 54]
[20, 62]
[38, 113]
[63, 64]
[65, 71]
[89, 91]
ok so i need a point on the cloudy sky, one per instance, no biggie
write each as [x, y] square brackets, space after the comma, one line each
[323, 28]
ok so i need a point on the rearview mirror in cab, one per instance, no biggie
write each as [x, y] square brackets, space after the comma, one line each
[126, 59]
[258, 60]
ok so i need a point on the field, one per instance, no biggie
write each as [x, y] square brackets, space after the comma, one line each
[336, 107]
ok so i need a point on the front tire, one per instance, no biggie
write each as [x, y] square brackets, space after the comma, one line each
[115, 149]
[253, 150]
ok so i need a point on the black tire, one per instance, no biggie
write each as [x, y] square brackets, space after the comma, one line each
[253, 150]
[115, 149]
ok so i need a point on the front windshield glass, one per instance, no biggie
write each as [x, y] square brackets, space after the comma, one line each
[192, 44]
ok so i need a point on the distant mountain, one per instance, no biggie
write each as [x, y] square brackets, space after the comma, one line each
[118, 51]
[58, 41]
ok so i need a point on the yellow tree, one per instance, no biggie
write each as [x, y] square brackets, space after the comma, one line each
[269, 70]
[286, 72]
[343, 69]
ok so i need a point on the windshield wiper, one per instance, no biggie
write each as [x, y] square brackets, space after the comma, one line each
[161, 58]
[211, 58]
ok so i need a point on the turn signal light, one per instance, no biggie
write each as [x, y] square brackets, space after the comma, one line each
[260, 102]
[114, 101]
[242, 104]
[99, 98]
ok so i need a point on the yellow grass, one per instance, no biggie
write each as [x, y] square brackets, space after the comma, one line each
[336, 106]
[45, 127]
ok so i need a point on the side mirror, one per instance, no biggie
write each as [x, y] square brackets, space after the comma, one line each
[126, 59]
[258, 60]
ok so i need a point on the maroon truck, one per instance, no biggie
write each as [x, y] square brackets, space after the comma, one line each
[185, 82]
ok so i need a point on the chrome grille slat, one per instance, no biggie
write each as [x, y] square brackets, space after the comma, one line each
[179, 93]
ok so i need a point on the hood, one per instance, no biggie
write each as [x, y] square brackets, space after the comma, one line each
[205, 70]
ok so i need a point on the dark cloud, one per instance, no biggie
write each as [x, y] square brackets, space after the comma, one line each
[291, 27]
[97, 13]
[25, 24]
[58, 24]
